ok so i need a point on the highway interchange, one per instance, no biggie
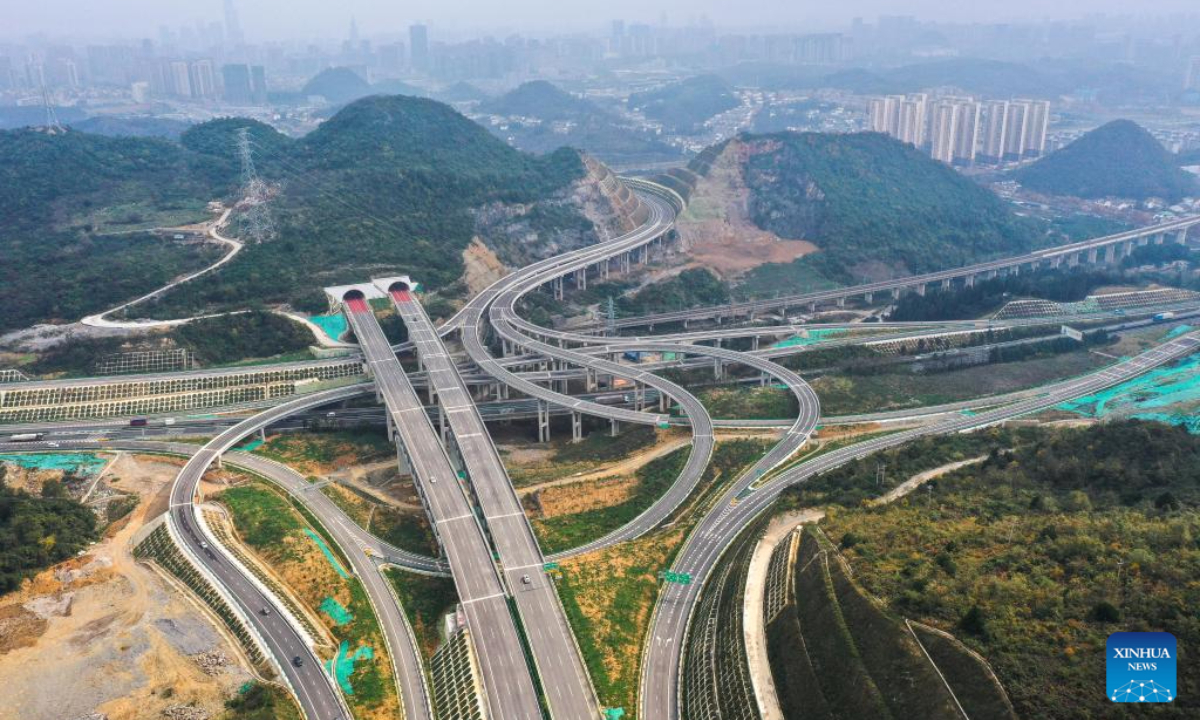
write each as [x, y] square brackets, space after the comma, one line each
[485, 586]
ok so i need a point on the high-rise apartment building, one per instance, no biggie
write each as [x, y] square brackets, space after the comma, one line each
[244, 84]
[913, 124]
[993, 131]
[1037, 121]
[1015, 136]
[943, 129]
[203, 78]
[966, 132]
[418, 43]
[1191, 78]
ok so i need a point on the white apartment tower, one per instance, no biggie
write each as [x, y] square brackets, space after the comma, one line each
[993, 131]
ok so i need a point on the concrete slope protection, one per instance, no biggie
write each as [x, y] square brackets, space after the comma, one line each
[565, 682]
[508, 684]
[661, 662]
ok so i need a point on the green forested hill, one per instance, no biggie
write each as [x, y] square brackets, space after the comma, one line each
[386, 185]
[868, 199]
[73, 207]
[560, 119]
[685, 105]
[1119, 159]
[542, 100]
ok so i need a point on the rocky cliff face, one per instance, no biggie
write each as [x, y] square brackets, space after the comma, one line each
[596, 207]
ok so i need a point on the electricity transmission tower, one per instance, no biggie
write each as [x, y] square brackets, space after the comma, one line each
[255, 218]
[52, 123]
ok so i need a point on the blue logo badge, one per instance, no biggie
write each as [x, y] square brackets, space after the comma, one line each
[1141, 667]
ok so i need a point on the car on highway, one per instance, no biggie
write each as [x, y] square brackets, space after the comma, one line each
[265, 611]
[526, 580]
[298, 661]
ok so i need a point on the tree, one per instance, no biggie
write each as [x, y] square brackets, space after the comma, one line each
[975, 623]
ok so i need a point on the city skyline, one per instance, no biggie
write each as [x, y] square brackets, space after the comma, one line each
[268, 21]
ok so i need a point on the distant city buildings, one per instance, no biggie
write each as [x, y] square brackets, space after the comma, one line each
[418, 43]
[962, 130]
[1191, 80]
[244, 84]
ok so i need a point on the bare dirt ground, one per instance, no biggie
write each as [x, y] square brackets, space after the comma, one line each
[717, 230]
[481, 267]
[580, 497]
[101, 633]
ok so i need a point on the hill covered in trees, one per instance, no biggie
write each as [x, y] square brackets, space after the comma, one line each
[76, 205]
[874, 206]
[541, 117]
[1119, 160]
[1035, 555]
[685, 105]
[389, 184]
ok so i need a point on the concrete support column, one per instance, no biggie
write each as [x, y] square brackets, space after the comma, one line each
[1143, 241]
[662, 402]
[581, 278]
[1181, 237]
[1128, 249]
[946, 284]
[442, 423]
[895, 293]
[1073, 260]
[841, 302]
[763, 379]
[920, 288]
[1056, 261]
[576, 427]
[1092, 255]
[869, 298]
[262, 434]
[969, 281]
[614, 427]
[754, 343]
[1159, 238]
[402, 462]
[645, 254]
[543, 420]
[625, 263]
[590, 380]
[639, 397]
[1014, 270]
[812, 307]
[718, 368]
[1110, 254]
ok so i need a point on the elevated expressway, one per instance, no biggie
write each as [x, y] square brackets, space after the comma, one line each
[660, 680]
[1114, 247]
[565, 682]
[508, 685]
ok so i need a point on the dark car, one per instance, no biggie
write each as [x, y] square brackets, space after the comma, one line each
[297, 661]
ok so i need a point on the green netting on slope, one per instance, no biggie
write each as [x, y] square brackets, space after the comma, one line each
[332, 325]
[341, 667]
[77, 463]
[328, 553]
[1179, 331]
[814, 337]
[336, 611]
[1149, 397]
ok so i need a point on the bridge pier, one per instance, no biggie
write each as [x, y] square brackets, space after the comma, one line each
[841, 302]
[1073, 260]
[1181, 237]
[639, 397]
[1159, 238]
[557, 284]
[812, 307]
[754, 343]
[614, 427]
[1056, 261]
[590, 380]
[1143, 241]
[576, 427]
[920, 288]
[625, 263]
[718, 369]
[946, 284]
[543, 421]
[1110, 254]
[581, 278]
[895, 293]
[442, 423]
[1092, 256]
[969, 281]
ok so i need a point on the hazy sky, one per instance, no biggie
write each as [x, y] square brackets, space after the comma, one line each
[280, 19]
